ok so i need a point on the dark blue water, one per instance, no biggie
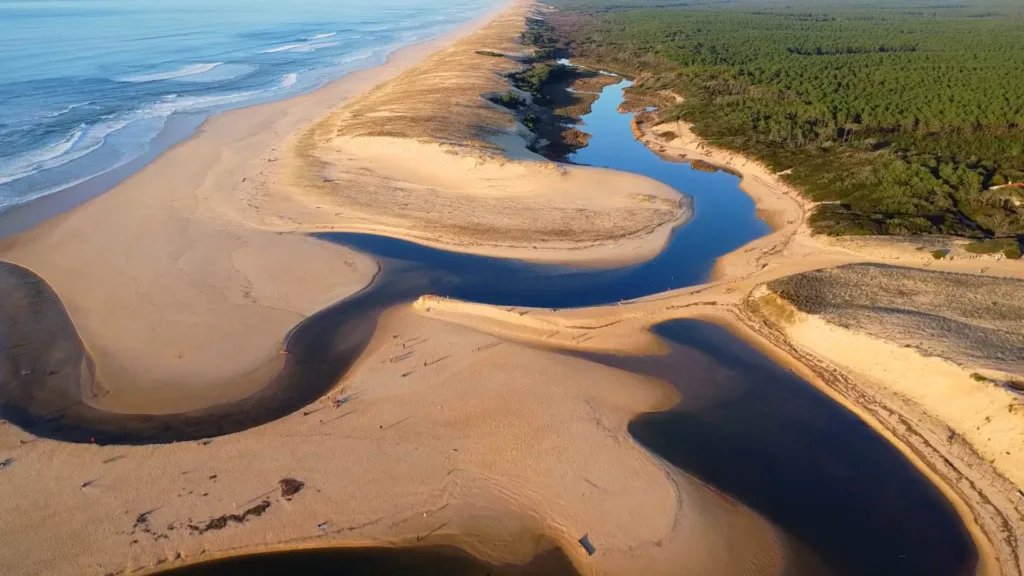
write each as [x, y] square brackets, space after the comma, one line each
[86, 85]
[774, 442]
[724, 219]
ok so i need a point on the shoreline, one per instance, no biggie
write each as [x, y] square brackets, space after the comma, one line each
[785, 354]
[167, 225]
[170, 248]
[182, 128]
[786, 210]
[451, 545]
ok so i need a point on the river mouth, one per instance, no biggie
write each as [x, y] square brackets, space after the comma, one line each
[848, 499]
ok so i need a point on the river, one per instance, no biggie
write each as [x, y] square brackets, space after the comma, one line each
[846, 500]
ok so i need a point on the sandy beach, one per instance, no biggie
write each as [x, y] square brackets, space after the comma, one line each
[196, 237]
[184, 282]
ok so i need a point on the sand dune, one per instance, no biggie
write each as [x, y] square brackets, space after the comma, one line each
[426, 157]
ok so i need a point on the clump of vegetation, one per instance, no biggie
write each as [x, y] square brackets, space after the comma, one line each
[978, 377]
[536, 34]
[668, 136]
[534, 78]
[509, 100]
[969, 319]
[940, 254]
[542, 54]
[530, 121]
[290, 487]
[490, 53]
[703, 166]
[900, 121]
[1008, 246]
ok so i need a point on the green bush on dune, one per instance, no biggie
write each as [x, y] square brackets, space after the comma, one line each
[1008, 246]
[509, 100]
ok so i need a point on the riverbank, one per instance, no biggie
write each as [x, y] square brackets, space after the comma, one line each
[904, 401]
[165, 249]
[179, 289]
[896, 404]
[457, 172]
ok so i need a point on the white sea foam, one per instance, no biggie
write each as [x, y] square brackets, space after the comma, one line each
[314, 46]
[220, 73]
[192, 103]
[358, 55]
[306, 47]
[284, 48]
[184, 71]
[289, 80]
[62, 111]
[320, 36]
[86, 139]
[76, 145]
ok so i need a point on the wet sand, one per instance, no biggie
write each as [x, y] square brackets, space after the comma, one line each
[420, 560]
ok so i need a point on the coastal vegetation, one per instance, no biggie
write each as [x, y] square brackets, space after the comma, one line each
[509, 100]
[1008, 247]
[902, 120]
[533, 79]
[971, 320]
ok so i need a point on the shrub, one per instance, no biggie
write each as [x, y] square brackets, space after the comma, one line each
[509, 100]
[1008, 246]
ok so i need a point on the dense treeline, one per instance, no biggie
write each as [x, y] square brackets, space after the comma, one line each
[901, 119]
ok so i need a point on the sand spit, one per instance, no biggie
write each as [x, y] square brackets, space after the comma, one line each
[184, 280]
[427, 157]
[441, 435]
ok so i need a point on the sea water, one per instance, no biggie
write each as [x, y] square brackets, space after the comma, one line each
[87, 85]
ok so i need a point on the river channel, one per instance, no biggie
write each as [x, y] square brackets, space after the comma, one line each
[846, 499]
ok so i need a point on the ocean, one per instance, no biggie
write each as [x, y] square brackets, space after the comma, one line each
[88, 85]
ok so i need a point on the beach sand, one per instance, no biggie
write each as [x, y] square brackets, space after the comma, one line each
[204, 241]
[478, 447]
[187, 277]
[459, 424]
[427, 158]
